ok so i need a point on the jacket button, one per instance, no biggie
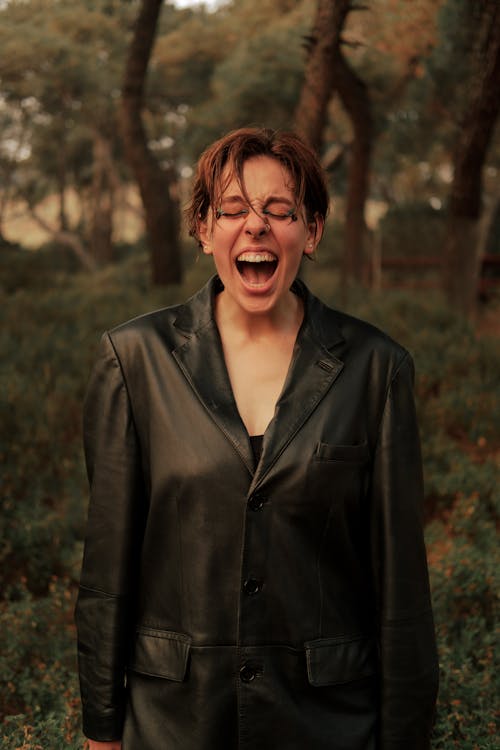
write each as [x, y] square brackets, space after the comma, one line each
[247, 673]
[252, 586]
[257, 502]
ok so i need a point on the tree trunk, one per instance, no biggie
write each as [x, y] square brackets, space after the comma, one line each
[461, 242]
[312, 109]
[4, 200]
[61, 186]
[156, 186]
[355, 99]
[328, 71]
[102, 203]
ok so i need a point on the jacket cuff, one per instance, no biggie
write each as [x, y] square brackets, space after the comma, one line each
[103, 728]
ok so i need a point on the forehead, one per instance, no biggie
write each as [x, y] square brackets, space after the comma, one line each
[262, 176]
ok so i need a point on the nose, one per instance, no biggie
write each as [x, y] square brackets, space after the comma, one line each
[256, 225]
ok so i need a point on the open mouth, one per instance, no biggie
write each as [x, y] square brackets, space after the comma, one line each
[256, 268]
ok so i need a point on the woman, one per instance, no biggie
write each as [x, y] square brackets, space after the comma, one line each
[254, 572]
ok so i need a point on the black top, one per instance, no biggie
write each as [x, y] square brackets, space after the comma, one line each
[256, 443]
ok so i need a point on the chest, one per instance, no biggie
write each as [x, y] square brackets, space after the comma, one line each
[257, 373]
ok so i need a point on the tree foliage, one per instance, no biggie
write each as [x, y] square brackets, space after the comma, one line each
[61, 70]
[64, 77]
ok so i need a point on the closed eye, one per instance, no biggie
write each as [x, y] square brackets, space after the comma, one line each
[231, 214]
[280, 213]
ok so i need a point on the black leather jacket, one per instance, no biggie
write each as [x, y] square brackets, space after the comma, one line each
[223, 606]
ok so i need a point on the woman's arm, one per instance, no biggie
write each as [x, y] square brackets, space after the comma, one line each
[409, 663]
[105, 607]
[93, 745]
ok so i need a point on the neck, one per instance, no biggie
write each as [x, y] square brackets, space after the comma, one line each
[282, 319]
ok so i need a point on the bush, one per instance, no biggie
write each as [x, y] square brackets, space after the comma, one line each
[38, 685]
[465, 573]
[412, 230]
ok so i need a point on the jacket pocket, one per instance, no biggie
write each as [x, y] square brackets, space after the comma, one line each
[161, 653]
[334, 661]
[326, 452]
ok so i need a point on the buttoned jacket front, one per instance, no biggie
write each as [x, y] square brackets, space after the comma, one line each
[224, 605]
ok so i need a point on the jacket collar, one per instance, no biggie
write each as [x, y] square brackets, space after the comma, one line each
[313, 370]
[198, 312]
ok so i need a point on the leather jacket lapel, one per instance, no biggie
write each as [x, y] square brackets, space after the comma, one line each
[312, 372]
[201, 359]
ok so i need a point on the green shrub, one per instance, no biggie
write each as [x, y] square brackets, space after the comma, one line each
[38, 685]
[412, 230]
[465, 577]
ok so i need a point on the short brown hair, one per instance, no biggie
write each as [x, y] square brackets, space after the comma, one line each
[239, 145]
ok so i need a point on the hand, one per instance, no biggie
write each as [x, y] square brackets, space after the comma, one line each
[94, 745]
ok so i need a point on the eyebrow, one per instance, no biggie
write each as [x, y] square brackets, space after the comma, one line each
[269, 199]
[233, 199]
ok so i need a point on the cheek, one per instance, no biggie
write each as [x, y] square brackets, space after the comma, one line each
[296, 245]
[222, 242]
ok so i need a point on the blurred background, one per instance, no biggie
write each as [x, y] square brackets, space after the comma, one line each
[105, 107]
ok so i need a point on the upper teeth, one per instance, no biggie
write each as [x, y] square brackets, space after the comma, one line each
[249, 257]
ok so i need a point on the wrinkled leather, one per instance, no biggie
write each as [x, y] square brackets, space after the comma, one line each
[336, 645]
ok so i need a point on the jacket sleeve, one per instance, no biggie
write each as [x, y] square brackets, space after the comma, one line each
[409, 666]
[104, 610]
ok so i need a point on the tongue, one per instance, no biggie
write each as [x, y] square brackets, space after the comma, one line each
[257, 273]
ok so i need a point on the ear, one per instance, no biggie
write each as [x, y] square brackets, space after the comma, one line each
[314, 234]
[204, 235]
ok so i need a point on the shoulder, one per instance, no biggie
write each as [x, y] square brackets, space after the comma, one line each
[146, 324]
[140, 332]
[354, 339]
[331, 322]
[167, 327]
[365, 342]
[363, 333]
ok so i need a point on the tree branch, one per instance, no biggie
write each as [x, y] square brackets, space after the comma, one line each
[68, 239]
